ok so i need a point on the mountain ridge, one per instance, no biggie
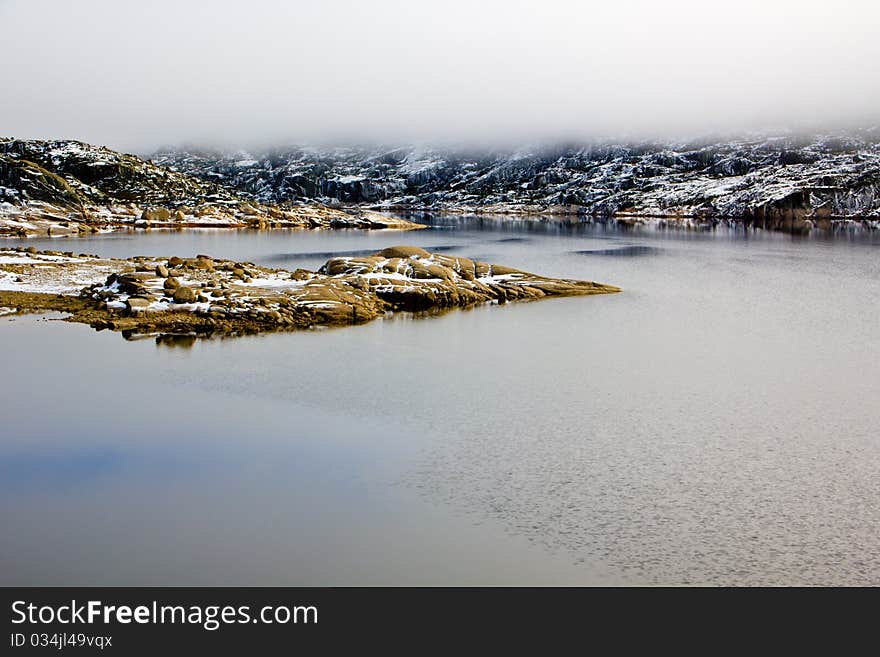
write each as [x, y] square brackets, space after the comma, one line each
[67, 186]
[769, 179]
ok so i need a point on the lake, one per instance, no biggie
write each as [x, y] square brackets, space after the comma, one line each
[715, 423]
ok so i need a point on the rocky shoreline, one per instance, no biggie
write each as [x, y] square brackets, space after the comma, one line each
[63, 188]
[41, 219]
[204, 296]
[794, 221]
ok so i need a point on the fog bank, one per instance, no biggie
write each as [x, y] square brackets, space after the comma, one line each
[136, 75]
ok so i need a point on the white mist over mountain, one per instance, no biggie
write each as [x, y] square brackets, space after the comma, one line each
[135, 75]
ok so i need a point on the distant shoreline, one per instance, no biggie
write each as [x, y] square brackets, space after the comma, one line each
[797, 221]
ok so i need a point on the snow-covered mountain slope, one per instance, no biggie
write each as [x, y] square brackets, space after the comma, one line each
[70, 186]
[752, 179]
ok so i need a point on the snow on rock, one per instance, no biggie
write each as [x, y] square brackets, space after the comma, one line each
[758, 178]
[69, 187]
[49, 272]
[222, 295]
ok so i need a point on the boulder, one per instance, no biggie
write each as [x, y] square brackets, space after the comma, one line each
[422, 270]
[136, 305]
[185, 294]
[156, 214]
[133, 282]
[404, 252]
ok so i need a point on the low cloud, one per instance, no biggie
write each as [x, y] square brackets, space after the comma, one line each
[137, 75]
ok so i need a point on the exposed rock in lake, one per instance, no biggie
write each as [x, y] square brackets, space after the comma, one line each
[210, 295]
[68, 187]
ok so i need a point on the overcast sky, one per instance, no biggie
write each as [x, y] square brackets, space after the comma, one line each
[137, 74]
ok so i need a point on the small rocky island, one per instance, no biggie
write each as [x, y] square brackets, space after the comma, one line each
[205, 296]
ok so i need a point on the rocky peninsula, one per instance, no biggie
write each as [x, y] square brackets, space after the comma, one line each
[204, 296]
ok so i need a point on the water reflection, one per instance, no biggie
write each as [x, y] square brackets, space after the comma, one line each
[177, 341]
[357, 253]
[39, 468]
[709, 425]
[622, 251]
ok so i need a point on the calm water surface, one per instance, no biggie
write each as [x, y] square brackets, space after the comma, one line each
[717, 422]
